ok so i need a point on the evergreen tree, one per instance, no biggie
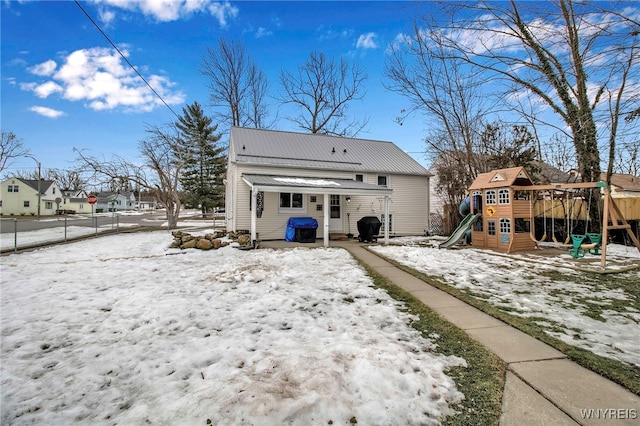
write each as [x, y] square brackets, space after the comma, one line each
[205, 162]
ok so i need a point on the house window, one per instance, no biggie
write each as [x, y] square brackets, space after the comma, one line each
[491, 227]
[390, 222]
[505, 226]
[13, 188]
[291, 200]
[25, 204]
[334, 207]
[383, 180]
[313, 198]
[503, 196]
[490, 197]
[48, 205]
[359, 177]
[318, 207]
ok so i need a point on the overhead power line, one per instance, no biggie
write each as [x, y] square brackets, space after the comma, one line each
[124, 57]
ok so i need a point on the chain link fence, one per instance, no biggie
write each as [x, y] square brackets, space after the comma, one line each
[20, 234]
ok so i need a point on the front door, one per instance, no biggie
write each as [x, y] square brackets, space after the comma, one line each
[335, 214]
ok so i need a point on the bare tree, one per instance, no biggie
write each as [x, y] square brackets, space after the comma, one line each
[321, 89]
[69, 179]
[159, 173]
[11, 147]
[446, 93]
[237, 87]
[558, 52]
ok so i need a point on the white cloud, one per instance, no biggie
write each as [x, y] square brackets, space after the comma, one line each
[99, 77]
[263, 32]
[170, 10]
[367, 41]
[45, 89]
[44, 69]
[106, 16]
[222, 11]
[329, 33]
[47, 112]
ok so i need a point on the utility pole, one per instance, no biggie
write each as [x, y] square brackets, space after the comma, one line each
[39, 190]
[39, 181]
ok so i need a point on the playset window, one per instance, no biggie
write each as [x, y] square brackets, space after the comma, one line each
[505, 226]
[490, 197]
[491, 227]
[503, 196]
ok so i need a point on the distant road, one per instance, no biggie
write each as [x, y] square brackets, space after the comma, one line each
[8, 223]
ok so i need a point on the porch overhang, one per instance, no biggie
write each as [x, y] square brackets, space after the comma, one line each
[314, 185]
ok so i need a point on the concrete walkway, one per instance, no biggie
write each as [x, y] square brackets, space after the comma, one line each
[542, 386]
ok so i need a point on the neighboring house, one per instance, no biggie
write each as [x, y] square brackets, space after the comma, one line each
[115, 201]
[274, 175]
[147, 203]
[75, 201]
[20, 197]
[623, 186]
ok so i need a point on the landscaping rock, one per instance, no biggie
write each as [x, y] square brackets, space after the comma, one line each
[244, 240]
[189, 244]
[204, 244]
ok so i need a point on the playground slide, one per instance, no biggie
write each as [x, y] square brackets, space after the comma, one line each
[458, 234]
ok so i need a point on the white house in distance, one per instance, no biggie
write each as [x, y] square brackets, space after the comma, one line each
[115, 201]
[335, 180]
[19, 197]
[75, 201]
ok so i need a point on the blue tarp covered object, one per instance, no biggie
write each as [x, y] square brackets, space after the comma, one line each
[299, 223]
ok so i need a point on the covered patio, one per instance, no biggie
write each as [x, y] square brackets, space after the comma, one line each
[315, 186]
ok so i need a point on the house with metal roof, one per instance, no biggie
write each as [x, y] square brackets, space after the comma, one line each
[275, 175]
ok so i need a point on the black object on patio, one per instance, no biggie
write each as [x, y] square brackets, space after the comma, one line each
[301, 229]
[369, 228]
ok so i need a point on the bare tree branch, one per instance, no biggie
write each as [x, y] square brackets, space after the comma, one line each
[321, 89]
[11, 147]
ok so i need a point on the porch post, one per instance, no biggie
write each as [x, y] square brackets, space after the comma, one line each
[386, 219]
[325, 233]
[254, 198]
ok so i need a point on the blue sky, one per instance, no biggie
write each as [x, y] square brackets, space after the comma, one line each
[64, 86]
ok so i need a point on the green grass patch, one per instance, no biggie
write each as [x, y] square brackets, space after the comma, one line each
[624, 374]
[482, 382]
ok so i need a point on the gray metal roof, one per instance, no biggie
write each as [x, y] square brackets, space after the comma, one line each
[314, 185]
[315, 151]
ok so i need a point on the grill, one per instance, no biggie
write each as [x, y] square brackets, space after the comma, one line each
[369, 228]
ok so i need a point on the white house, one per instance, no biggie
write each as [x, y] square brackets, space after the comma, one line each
[274, 175]
[75, 201]
[20, 197]
[115, 201]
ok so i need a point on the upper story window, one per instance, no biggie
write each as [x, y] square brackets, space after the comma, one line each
[291, 200]
[503, 196]
[359, 177]
[383, 180]
[490, 197]
[13, 188]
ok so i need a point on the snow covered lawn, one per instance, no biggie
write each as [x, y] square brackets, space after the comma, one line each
[123, 330]
[582, 309]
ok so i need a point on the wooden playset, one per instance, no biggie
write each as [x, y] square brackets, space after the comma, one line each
[505, 203]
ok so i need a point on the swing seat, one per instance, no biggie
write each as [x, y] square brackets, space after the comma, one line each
[595, 239]
[577, 251]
